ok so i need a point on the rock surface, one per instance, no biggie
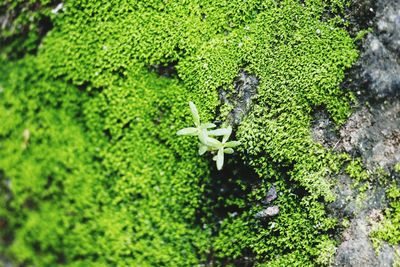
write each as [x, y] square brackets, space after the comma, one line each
[372, 132]
[376, 74]
[357, 251]
[245, 90]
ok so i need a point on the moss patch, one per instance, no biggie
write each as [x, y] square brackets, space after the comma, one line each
[102, 179]
[389, 228]
[23, 24]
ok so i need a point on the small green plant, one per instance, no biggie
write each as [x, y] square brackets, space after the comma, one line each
[208, 143]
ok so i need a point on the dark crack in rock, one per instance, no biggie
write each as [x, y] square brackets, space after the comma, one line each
[165, 70]
[245, 90]
[24, 24]
[360, 15]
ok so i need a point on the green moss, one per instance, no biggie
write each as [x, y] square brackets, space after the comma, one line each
[396, 262]
[281, 240]
[102, 179]
[389, 228]
[397, 167]
[77, 194]
[362, 178]
[23, 24]
[356, 170]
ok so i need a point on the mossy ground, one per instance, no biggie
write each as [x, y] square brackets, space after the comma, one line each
[388, 229]
[93, 173]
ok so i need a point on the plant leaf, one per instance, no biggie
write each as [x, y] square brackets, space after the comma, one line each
[188, 131]
[232, 143]
[226, 136]
[195, 113]
[219, 132]
[228, 150]
[202, 149]
[220, 159]
[208, 125]
[213, 143]
[203, 136]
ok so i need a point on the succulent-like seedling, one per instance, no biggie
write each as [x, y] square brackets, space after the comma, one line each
[222, 147]
[208, 143]
[199, 127]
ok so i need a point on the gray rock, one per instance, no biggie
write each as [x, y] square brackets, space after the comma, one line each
[380, 60]
[271, 196]
[245, 90]
[323, 130]
[360, 15]
[268, 212]
[372, 132]
[4, 262]
[357, 251]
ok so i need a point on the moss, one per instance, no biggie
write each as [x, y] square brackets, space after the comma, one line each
[274, 239]
[95, 173]
[356, 170]
[76, 194]
[396, 262]
[389, 228]
[23, 25]
[397, 167]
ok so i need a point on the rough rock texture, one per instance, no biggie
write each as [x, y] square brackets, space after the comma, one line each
[323, 130]
[377, 73]
[372, 132]
[356, 249]
[361, 14]
[245, 89]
